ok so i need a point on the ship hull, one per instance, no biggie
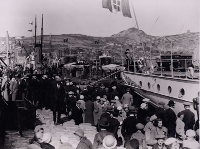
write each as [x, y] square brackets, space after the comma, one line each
[162, 88]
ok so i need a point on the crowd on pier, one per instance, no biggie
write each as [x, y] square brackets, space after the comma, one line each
[120, 120]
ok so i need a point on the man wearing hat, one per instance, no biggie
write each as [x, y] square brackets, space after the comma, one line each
[129, 124]
[98, 139]
[139, 135]
[171, 119]
[160, 112]
[132, 144]
[97, 110]
[77, 113]
[58, 101]
[189, 117]
[84, 142]
[190, 142]
[70, 102]
[114, 92]
[127, 98]
[160, 142]
[14, 85]
[109, 142]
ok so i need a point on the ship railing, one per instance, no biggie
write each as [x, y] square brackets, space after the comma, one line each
[115, 75]
[180, 67]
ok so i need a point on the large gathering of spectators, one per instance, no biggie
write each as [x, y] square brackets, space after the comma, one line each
[119, 120]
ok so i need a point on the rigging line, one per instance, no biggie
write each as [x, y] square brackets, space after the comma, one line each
[153, 25]
[181, 28]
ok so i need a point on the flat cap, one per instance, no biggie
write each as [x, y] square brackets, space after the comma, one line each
[140, 126]
[190, 133]
[186, 104]
[146, 100]
[153, 117]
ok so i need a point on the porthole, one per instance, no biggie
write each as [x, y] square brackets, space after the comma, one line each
[140, 83]
[149, 85]
[182, 92]
[158, 87]
[169, 89]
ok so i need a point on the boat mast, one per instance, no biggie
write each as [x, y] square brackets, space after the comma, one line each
[7, 49]
[35, 29]
[40, 58]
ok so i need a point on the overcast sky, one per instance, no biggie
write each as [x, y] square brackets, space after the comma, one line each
[89, 18]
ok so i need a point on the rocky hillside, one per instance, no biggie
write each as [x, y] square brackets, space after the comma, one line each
[115, 45]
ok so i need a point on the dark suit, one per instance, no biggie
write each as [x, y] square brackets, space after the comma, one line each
[58, 100]
[77, 115]
[161, 114]
[171, 122]
[189, 119]
[129, 127]
[89, 105]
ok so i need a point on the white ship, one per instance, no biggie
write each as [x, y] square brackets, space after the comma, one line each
[165, 85]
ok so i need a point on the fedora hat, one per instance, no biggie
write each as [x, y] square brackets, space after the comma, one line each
[109, 142]
[79, 132]
[110, 108]
[103, 122]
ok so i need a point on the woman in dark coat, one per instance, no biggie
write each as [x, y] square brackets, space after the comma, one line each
[89, 105]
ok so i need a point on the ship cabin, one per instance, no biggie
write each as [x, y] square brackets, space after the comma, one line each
[180, 62]
[104, 60]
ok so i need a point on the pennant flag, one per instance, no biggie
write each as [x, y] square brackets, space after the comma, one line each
[118, 6]
[30, 30]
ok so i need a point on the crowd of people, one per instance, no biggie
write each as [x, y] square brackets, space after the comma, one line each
[119, 119]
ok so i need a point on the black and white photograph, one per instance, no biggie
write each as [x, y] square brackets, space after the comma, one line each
[99, 74]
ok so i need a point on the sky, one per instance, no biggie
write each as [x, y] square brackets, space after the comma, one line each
[89, 18]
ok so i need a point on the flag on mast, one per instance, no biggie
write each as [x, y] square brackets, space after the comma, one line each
[118, 6]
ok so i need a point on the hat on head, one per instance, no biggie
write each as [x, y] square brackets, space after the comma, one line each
[113, 101]
[110, 108]
[78, 101]
[46, 137]
[140, 126]
[70, 93]
[98, 97]
[161, 103]
[109, 142]
[116, 97]
[114, 87]
[37, 128]
[190, 133]
[128, 89]
[132, 144]
[119, 108]
[79, 132]
[153, 117]
[186, 104]
[81, 97]
[103, 122]
[171, 103]
[67, 84]
[170, 141]
[103, 99]
[143, 105]
[132, 109]
[146, 100]
[64, 138]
